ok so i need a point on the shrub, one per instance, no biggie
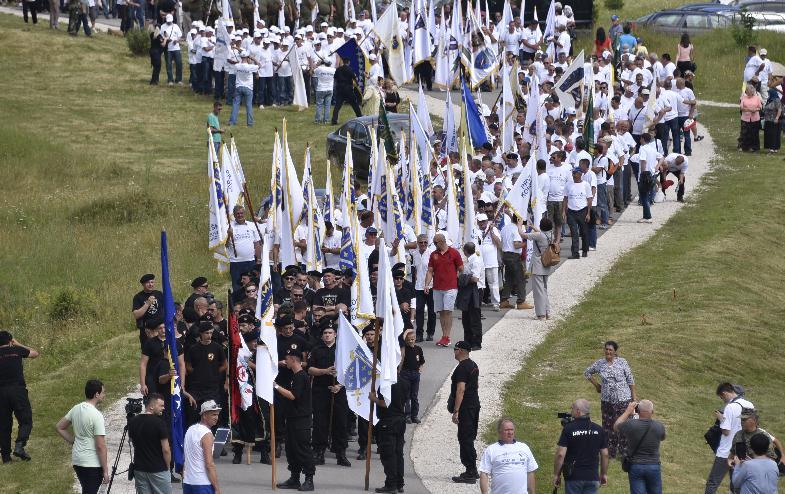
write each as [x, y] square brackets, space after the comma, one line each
[742, 29]
[614, 5]
[71, 304]
[138, 42]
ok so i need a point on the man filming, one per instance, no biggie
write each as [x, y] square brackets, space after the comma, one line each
[579, 446]
[13, 396]
[150, 436]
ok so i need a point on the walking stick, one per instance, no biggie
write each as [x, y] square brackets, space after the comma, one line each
[370, 414]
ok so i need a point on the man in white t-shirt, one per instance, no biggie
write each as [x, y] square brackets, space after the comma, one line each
[509, 463]
[730, 423]
[243, 246]
[420, 257]
[648, 157]
[489, 244]
[199, 469]
[558, 177]
[512, 245]
[172, 34]
[575, 211]
[331, 246]
[675, 164]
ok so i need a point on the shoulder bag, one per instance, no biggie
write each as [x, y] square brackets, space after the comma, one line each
[552, 255]
[626, 461]
[714, 433]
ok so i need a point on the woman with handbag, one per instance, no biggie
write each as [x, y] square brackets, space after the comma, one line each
[542, 238]
[617, 388]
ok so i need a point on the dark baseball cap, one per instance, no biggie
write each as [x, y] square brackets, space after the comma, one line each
[463, 345]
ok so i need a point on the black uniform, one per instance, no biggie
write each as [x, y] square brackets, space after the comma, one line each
[204, 382]
[328, 405]
[284, 377]
[390, 431]
[344, 92]
[153, 311]
[298, 412]
[13, 399]
[469, 413]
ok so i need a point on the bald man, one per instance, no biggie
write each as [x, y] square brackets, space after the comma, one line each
[582, 448]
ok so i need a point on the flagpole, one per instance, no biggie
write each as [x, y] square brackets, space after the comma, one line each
[332, 409]
[232, 366]
[272, 442]
[377, 327]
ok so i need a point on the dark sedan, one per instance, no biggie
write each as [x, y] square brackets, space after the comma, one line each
[681, 21]
[360, 128]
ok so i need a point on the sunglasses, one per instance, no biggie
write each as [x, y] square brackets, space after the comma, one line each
[204, 286]
[252, 290]
[289, 278]
[398, 278]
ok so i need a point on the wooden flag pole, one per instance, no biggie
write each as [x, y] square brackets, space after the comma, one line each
[272, 442]
[377, 327]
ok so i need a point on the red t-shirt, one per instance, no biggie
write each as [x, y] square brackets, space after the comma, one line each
[445, 269]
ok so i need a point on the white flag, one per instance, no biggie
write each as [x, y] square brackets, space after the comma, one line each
[506, 110]
[422, 40]
[450, 143]
[218, 224]
[353, 368]
[569, 87]
[291, 205]
[422, 112]
[517, 198]
[444, 75]
[267, 351]
[300, 99]
[230, 181]
[468, 197]
[453, 221]
[387, 28]
[388, 308]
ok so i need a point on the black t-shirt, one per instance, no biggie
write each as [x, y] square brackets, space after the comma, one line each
[322, 357]
[396, 407]
[404, 295]
[413, 358]
[300, 386]
[154, 350]
[189, 302]
[466, 372]
[328, 297]
[344, 79]
[146, 432]
[583, 439]
[205, 361]
[11, 372]
[282, 295]
[295, 342]
[155, 310]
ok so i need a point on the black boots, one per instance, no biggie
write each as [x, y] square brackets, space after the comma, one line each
[19, 452]
[292, 483]
[307, 485]
[342, 459]
[318, 457]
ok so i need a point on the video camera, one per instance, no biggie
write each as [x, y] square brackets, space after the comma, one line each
[133, 407]
[565, 418]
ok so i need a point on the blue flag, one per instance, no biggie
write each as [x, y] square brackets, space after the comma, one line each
[176, 405]
[473, 119]
[354, 54]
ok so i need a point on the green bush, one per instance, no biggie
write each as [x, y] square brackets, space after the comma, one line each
[138, 42]
[742, 29]
[70, 303]
[614, 5]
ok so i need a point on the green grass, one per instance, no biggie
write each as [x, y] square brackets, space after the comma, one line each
[719, 257]
[96, 163]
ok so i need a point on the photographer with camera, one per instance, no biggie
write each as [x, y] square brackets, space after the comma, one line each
[149, 435]
[642, 458]
[582, 447]
[13, 397]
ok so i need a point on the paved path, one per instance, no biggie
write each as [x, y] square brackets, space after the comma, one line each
[101, 24]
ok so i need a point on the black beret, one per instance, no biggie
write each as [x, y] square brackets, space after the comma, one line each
[398, 265]
[198, 281]
[153, 323]
[317, 274]
[368, 328]
[146, 277]
[250, 336]
[398, 274]
[284, 320]
[205, 326]
[292, 267]
[294, 352]
[463, 345]
[246, 319]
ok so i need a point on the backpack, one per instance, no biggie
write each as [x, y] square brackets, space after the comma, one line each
[551, 256]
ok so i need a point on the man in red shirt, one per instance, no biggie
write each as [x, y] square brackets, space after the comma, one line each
[443, 267]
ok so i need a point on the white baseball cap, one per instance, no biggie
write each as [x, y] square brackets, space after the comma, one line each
[482, 217]
[169, 18]
[209, 406]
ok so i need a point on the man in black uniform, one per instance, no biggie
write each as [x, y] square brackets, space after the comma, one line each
[345, 83]
[205, 368]
[200, 289]
[390, 431]
[287, 340]
[464, 404]
[297, 395]
[332, 294]
[330, 408]
[13, 397]
[582, 445]
[146, 304]
[369, 333]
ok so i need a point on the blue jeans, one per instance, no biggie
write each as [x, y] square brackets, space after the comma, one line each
[645, 479]
[283, 94]
[264, 95]
[231, 82]
[669, 130]
[602, 203]
[644, 193]
[687, 136]
[198, 489]
[323, 99]
[581, 487]
[137, 14]
[177, 58]
[412, 402]
[236, 270]
[241, 93]
[591, 226]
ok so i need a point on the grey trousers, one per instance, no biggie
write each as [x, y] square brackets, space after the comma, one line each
[539, 282]
[153, 483]
[717, 473]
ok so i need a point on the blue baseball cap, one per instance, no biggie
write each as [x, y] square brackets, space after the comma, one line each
[576, 170]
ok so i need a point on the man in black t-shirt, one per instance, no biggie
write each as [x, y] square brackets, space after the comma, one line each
[205, 365]
[582, 447]
[149, 434]
[152, 353]
[464, 404]
[297, 392]
[390, 431]
[13, 397]
[147, 304]
[404, 296]
[332, 294]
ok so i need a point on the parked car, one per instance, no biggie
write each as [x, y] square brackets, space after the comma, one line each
[777, 6]
[681, 21]
[360, 128]
[709, 7]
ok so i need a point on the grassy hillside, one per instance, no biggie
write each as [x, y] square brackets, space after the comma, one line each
[709, 283]
[96, 162]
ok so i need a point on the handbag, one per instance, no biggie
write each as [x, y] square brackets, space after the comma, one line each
[714, 433]
[552, 255]
[626, 461]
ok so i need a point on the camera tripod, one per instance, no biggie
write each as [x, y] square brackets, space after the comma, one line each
[117, 459]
